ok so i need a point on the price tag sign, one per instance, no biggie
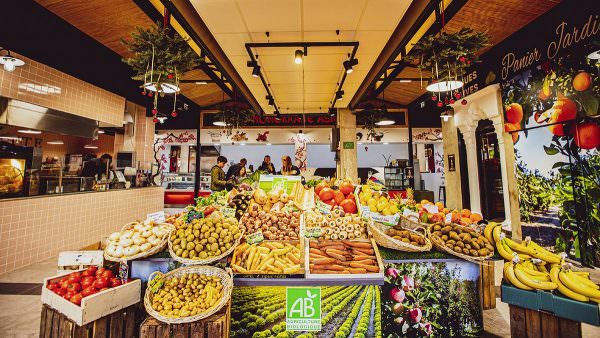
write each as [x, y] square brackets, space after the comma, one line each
[222, 199]
[448, 218]
[410, 214]
[290, 208]
[228, 212]
[157, 217]
[323, 207]
[255, 238]
[314, 232]
[156, 283]
[123, 271]
[431, 208]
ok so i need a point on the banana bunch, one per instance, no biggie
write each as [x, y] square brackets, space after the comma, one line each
[508, 249]
[527, 277]
[576, 285]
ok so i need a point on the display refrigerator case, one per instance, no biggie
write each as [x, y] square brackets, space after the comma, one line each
[15, 170]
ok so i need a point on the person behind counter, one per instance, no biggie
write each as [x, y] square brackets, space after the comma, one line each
[236, 169]
[217, 175]
[288, 168]
[267, 165]
[96, 166]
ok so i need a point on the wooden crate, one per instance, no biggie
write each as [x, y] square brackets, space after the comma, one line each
[538, 324]
[123, 323]
[487, 287]
[215, 326]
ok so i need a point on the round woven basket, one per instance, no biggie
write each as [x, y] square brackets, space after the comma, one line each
[189, 261]
[439, 244]
[226, 277]
[412, 223]
[153, 250]
[379, 235]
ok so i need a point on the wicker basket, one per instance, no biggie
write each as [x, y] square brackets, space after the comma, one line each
[378, 233]
[153, 250]
[439, 244]
[412, 223]
[226, 277]
[189, 261]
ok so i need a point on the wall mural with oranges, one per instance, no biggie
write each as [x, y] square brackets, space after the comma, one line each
[551, 94]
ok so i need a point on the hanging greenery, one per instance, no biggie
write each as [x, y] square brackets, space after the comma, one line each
[234, 115]
[368, 118]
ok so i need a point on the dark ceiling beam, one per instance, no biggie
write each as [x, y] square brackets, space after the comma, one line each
[188, 17]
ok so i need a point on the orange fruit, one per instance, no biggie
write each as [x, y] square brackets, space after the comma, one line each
[512, 129]
[582, 81]
[475, 217]
[587, 135]
[514, 113]
[564, 109]
[465, 213]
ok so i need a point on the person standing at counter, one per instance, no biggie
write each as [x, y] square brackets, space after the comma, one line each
[267, 165]
[217, 175]
[287, 168]
[97, 166]
[236, 169]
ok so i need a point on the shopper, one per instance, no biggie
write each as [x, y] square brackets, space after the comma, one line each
[235, 169]
[288, 168]
[217, 175]
[267, 165]
[97, 166]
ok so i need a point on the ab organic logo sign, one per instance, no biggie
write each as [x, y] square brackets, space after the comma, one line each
[303, 309]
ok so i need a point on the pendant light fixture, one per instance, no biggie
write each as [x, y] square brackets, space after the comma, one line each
[10, 62]
[298, 55]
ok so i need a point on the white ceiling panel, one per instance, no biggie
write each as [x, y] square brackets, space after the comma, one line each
[312, 85]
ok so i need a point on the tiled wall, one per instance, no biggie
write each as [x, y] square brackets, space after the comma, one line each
[45, 86]
[35, 229]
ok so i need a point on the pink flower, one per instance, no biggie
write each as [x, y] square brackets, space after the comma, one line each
[415, 315]
[427, 328]
[408, 284]
[392, 272]
[397, 295]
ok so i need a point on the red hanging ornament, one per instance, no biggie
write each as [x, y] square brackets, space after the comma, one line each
[174, 113]
[446, 100]
[468, 62]
[457, 95]
[463, 102]
[452, 101]
[155, 120]
[149, 94]
[434, 98]
[143, 93]
[462, 59]
[169, 76]
[440, 104]
[154, 111]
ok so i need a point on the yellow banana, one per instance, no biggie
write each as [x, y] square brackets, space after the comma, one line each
[520, 248]
[508, 256]
[563, 289]
[583, 280]
[542, 268]
[568, 280]
[509, 273]
[547, 257]
[532, 272]
[532, 282]
[584, 274]
[496, 233]
[487, 232]
[597, 300]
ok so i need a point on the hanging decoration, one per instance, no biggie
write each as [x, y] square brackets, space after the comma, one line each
[233, 115]
[159, 59]
[369, 118]
[447, 56]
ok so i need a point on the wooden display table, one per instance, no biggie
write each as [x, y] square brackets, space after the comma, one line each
[538, 324]
[215, 326]
[123, 323]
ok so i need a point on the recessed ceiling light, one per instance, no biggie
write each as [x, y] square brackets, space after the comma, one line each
[90, 146]
[100, 131]
[242, 144]
[56, 142]
[10, 138]
[444, 86]
[385, 122]
[339, 95]
[10, 62]
[298, 54]
[29, 131]
[201, 82]
[268, 144]
[385, 143]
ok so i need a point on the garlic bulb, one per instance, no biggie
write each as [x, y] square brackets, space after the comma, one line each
[138, 227]
[145, 247]
[114, 236]
[127, 234]
[139, 240]
[125, 242]
[153, 240]
[146, 233]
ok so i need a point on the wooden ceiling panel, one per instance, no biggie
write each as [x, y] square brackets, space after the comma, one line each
[499, 18]
[203, 95]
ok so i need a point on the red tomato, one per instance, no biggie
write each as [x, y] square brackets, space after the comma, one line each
[64, 283]
[87, 281]
[331, 202]
[101, 283]
[100, 271]
[346, 188]
[107, 274]
[103, 289]
[69, 294]
[326, 194]
[338, 196]
[349, 206]
[320, 187]
[114, 282]
[75, 277]
[61, 292]
[74, 287]
[89, 291]
[90, 271]
[52, 286]
[76, 299]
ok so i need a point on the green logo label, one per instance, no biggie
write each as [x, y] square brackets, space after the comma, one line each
[279, 183]
[303, 309]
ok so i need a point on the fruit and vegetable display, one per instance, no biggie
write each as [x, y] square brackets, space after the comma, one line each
[462, 241]
[342, 257]
[274, 224]
[205, 238]
[266, 201]
[187, 295]
[136, 239]
[214, 198]
[80, 284]
[342, 195]
[240, 203]
[268, 257]
[337, 224]
[406, 236]
[378, 202]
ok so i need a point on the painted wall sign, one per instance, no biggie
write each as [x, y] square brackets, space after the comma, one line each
[286, 120]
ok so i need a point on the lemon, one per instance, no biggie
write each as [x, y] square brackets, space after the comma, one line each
[373, 208]
[381, 205]
[394, 209]
[365, 188]
[371, 201]
[386, 212]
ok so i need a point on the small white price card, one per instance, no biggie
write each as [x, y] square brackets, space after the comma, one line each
[157, 217]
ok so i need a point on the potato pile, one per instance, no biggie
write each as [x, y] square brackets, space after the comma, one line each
[337, 224]
[463, 240]
[188, 295]
[274, 225]
[406, 236]
[205, 237]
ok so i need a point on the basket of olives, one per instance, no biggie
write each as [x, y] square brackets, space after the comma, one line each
[204, 240]
[187, 294]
